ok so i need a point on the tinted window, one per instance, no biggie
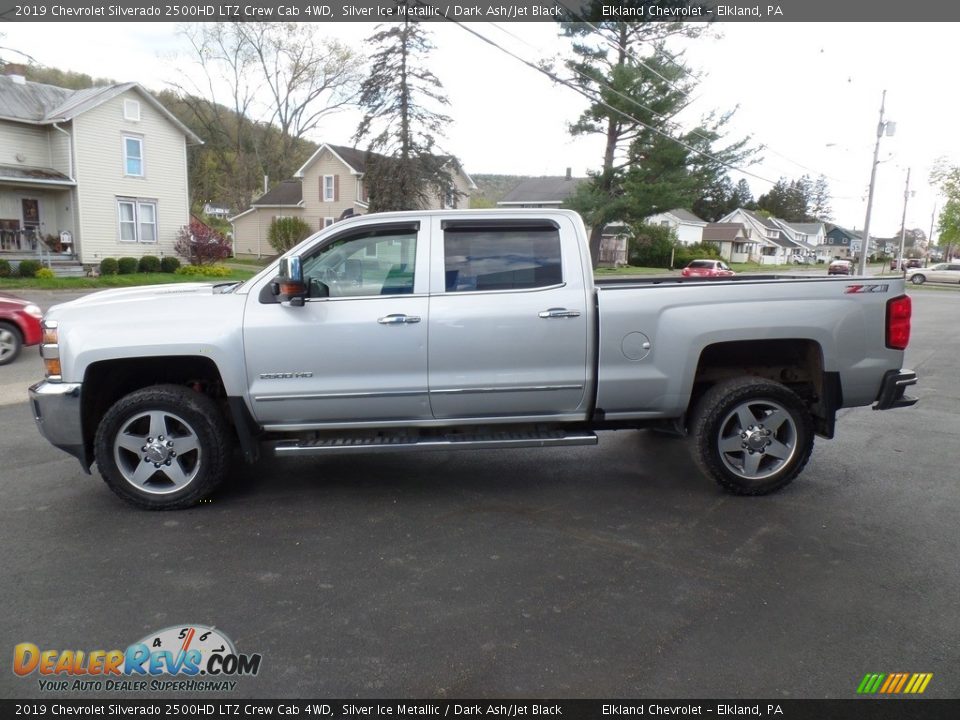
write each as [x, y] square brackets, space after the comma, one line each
[701, 264]
[501, 259]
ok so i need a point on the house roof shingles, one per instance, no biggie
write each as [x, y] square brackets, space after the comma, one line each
[543, 189]
[288, 192]
[685, 216]
[40, 104]
[724, 232]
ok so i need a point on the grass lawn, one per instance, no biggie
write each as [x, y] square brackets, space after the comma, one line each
[113, 281]
[629, 270]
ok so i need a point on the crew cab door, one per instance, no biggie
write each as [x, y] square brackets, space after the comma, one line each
[356, 351]
[508, 319]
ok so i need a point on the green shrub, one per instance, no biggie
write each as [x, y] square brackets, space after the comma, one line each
[701, 251]
[286, 232]
[28, 268]
[108, 266]
[169, 264]
[149, 264]
[204, 270]
[45, 273]
[5, 270]
[127, 265]
[650, 246]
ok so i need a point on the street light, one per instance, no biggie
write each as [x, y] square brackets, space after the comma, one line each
[882, 127]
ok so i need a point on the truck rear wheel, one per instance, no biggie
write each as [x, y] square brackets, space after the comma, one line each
[164, 447]
[753, 436]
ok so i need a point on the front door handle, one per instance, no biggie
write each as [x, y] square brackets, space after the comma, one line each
[398, 319]
[559, 313]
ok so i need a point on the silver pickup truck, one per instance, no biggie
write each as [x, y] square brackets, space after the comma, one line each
[460, 329]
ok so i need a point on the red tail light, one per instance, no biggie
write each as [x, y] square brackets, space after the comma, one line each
[899, 310]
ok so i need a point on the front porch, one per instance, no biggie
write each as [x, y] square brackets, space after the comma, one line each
[36, 221]
[37, 215]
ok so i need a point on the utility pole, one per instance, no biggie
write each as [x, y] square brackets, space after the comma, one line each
[903, 222]
[930, 236]
[865, 245]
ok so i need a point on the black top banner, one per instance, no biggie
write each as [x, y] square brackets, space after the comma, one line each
[495, 10]
[499, 709]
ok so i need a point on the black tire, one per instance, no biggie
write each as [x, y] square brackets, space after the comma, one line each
[732, 445]
[163, 418]
[918, 279]
[10, 343]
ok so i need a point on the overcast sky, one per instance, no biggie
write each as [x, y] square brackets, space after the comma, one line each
[808, 92]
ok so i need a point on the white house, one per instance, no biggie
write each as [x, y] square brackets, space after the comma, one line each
[90, 174]
[687, 226]
[773, 246]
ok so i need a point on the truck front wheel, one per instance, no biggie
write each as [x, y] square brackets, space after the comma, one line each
[164, 447]
[753, 436]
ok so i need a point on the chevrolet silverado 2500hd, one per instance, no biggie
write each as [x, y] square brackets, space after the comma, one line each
[460, 329]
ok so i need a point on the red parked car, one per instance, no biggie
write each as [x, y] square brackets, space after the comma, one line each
[19, 326]
[707, 268]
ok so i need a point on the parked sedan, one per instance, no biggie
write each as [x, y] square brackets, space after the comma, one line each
[840, 267]
[707, 268]
[19, 326]
[941, 272]
[907, 264]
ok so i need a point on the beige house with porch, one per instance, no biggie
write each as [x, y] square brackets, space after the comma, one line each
[327, 187]
[89, 174]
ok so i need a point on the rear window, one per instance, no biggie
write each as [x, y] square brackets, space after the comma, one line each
[701, 264]
[501, 258]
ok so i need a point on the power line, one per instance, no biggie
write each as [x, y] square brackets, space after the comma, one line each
[600, 101]
[660, 50]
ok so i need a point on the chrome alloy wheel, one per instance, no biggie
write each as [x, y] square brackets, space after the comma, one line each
[757, 438]
[8, 344]
[157, 452]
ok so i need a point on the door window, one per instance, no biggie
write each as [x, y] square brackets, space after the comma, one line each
[501, 258]
[372, 264]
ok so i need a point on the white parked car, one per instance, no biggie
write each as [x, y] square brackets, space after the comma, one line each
[941, 272]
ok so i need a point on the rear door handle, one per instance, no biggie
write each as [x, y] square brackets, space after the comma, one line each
[398, 319]
[559, 313]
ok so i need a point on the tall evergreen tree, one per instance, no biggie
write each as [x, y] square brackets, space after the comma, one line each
[401, 98]
[820, 200]
[790, 201]
[606, 66]
[637, 90]
[743, 196]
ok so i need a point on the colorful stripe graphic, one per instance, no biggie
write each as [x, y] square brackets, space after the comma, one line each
[894, 683]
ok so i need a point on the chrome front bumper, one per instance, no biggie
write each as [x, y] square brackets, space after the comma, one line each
[56, 410]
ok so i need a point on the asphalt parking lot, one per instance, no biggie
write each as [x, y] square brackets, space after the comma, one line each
[614, 571]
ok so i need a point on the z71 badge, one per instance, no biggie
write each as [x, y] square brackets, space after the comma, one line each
[856, 289]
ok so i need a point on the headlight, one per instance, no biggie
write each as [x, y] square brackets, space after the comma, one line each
[33, 310]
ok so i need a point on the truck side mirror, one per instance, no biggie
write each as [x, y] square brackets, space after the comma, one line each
[290, 287]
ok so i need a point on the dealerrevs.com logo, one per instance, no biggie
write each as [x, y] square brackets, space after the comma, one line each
[179, 658]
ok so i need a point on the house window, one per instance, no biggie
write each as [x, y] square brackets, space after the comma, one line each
[450, 198]
[138, 220]
[328, 221]
[131, 110]
[329, 188]
[132, 156]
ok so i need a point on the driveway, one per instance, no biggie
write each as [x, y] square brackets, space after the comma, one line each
[615, 571]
